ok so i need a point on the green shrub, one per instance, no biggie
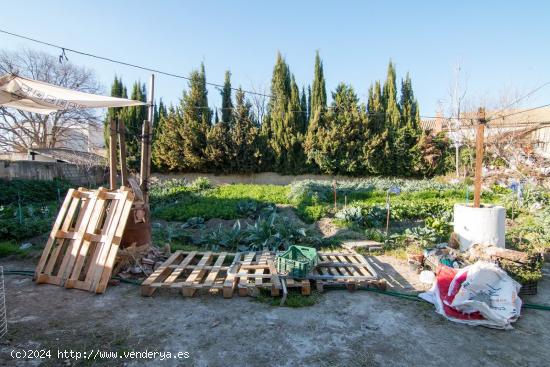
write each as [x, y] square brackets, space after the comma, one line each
[312, 213]
[32, 191]
[361, 189]
[265, 194]
[200, 184]
[8, 248]
[178, 203]
[20, 223]
[350, 214]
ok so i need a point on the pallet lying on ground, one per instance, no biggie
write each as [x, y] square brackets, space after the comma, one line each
[191, 272]
[250, 272]
[82, 246]
[347, 269]
[256, 271]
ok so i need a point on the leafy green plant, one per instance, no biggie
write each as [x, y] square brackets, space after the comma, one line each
[201, 184]
[375, 235]
[172, 234]
[222, 238]
[194, 222]
[350, 214]
[247, 208]
[441, 225]
[277, 233]
[375, 216]
[312, 213]
[32, 191]
[24, 222]
[423, 236]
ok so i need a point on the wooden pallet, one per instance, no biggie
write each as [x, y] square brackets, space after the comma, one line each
[191, 272]
[257, 271]
[348, 269]
[82, 246]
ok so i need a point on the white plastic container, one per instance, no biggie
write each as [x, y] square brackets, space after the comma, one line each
[485, 225]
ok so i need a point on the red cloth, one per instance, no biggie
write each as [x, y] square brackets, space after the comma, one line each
[445, 276]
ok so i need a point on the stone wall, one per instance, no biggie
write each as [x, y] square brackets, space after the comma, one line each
[263, 178]
[36, 170]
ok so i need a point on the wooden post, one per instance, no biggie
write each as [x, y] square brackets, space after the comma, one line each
[151, 118]
[334, 191]
[122, 144]
[112, 154]
[479, 155]
[144, 159]
[388, 213]
[146, 139]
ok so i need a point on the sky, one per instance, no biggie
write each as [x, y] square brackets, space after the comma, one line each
[502, 46]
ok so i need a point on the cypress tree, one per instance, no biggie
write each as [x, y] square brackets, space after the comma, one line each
[196, 119]
[377, 149]
[304, 118]
[309, 102]
[341, 139]
[277, 131]
[227, 103]
[319, 92]
[182, 139]
[292, 134]
[317, 110]
[133, 119]
[245, 137]
[117, 90]
[392, 120]
[218, 150]
[409, 132]
[167, 152]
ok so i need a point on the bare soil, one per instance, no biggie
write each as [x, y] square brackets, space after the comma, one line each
[342, 329]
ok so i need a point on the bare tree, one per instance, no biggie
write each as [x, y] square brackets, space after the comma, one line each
[259, 102]
[457, 95]
[20, 130]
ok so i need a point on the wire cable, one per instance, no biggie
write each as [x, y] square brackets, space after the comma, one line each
[518, 112]
[525, 96]
[65, 49]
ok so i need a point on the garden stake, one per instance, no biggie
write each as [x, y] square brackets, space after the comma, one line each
[387, 212]
[479, 155]
[334, 190]
[20, 210]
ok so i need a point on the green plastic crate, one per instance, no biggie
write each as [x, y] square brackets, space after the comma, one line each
[297, 261]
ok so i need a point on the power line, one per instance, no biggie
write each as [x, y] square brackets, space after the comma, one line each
[518, 112]
[64, 49]
[525, 96]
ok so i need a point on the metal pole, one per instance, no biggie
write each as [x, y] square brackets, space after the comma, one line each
[479, 156]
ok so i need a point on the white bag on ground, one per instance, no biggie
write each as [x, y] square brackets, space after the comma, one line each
[479, 294]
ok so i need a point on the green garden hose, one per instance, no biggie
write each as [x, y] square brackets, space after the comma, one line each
[407, 296]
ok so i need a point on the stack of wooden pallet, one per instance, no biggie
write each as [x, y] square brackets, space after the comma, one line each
[251, 272]
[84, 240]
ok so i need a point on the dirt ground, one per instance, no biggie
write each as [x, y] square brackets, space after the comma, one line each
[342, 329]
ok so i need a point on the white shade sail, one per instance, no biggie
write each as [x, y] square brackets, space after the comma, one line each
[39, 97]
